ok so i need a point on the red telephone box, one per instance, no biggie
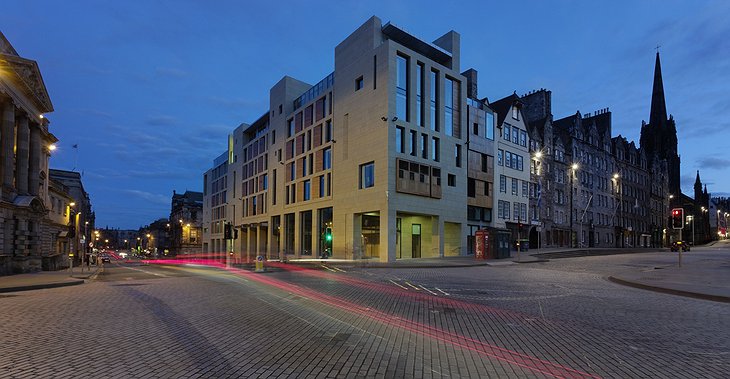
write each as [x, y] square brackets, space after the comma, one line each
[482, 245]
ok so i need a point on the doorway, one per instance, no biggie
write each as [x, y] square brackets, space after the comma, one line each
[416, 240]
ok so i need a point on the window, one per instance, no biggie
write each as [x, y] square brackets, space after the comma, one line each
[328, 131]
[525, 188]
[475, 129]
[367, 175]
[515, 135]
[452, 180]
[485, 162]
[358, 83]
[435, 149]
[514, 186]
[307, 190]
[401, 90]
[500, 154]
[515, 113]
[490, 126]
[506, 134]
[290, 125]
[471, 187]
[414, 143]
[523, 138]
[399, 143]
[457, 155]
[502, 183]
[519, 162]
[424, 146]
[434, 100]
[419, 94]
[304, 167]
[449, 106]
[327, 158]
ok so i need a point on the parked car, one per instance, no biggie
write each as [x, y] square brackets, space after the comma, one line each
[676, 245]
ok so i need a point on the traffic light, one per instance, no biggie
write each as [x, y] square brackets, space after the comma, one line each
[328, 235]
[677, 218]
[227, 231]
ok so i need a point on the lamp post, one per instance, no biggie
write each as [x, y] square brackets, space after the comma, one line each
[538, 166]
[573, 169]
[615, 179]
[691, 219]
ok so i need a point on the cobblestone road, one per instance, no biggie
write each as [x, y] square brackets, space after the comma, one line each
[538, 320]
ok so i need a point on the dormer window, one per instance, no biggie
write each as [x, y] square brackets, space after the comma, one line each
[515, 113]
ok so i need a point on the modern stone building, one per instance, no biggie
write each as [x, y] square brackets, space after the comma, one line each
[185, 224]
[24, 153]
[374, 154]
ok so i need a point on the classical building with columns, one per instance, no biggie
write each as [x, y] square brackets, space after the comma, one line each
[24, 153]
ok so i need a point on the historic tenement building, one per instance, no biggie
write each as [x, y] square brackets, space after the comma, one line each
[185, 223]
[81, 217]
[24, 153]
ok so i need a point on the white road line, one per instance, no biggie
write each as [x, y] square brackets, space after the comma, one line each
[442, 291]
[145, 271]
[328, 269]
[432, 293]
[414, 287]
[338, 269]
[405, 288]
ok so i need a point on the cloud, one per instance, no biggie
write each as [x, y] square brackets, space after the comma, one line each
[161, 121]
[713, 163]
[151, 197]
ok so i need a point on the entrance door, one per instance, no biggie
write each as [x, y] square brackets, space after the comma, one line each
[416, 241]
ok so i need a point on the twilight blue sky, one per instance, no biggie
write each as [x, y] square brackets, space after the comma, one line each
[150, 89]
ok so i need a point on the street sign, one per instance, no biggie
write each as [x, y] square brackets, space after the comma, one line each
[260, 258]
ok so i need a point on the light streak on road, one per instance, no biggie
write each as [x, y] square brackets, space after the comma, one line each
[467, 343]
[396, 283]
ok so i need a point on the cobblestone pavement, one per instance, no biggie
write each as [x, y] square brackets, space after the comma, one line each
[538, 320]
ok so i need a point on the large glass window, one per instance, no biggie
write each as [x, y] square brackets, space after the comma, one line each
[367, 175]
[305, 231]
[401, 96]
[449, 107]
[435, 147]
[419, 94]
[434, 100]
[414, 143]
[490, 126]
[307, 190]
[327, 158]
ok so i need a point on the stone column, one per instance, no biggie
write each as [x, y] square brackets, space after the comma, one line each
[7, 140]
[22, 152]
[36, 154]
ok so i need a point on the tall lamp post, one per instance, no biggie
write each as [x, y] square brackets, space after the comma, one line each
[620, 193]
[691, 219]
[538, 166]
[573, 169]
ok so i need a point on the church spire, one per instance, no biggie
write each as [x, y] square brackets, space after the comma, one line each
[658, 114]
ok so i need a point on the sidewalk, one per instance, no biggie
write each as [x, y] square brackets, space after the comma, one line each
[47, 279]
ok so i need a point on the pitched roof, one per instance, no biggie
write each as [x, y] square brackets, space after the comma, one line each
[502, 106]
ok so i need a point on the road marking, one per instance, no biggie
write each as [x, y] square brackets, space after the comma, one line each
[414, 287]
[442, 291]
[145, 271]
[338, 269]
[432, 293]
[328, 269]
[405, 288]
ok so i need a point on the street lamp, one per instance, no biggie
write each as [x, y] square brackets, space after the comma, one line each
[620, 193]
[573, 169]
[691, 219]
